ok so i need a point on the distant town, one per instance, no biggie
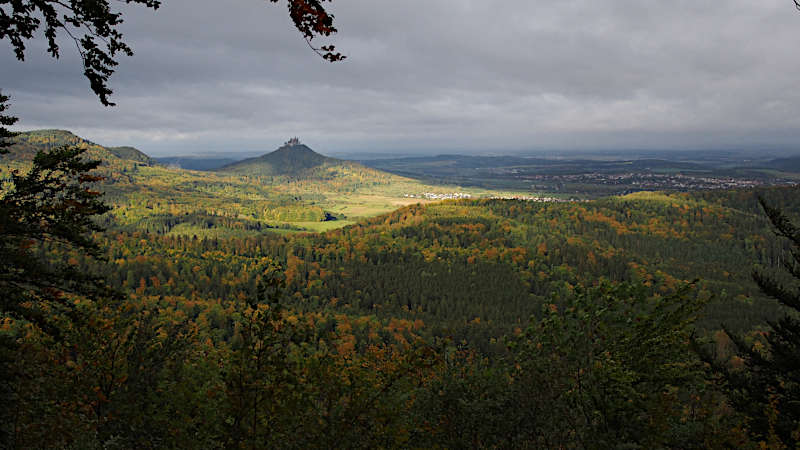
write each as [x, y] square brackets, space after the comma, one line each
[534, 199]
[436, 196]
[593, 178]
[648, 181]
[462, 195]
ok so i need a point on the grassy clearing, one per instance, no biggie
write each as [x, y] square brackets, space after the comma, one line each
[320, 227]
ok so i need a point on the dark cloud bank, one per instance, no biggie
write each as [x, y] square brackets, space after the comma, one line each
[434, 76]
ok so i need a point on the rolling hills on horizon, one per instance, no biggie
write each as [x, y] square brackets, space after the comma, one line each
[597, 175]
[195, 162]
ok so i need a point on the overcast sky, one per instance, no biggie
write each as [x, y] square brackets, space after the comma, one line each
[435, 75]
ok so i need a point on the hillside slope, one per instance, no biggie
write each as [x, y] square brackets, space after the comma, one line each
[290, 159]
[132, 154]
[26, 144]
[297, 161]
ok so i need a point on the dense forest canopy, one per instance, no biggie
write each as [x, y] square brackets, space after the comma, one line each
[401, 329]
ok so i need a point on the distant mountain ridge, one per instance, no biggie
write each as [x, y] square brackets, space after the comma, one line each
[291, 159]
[195, 162]
[790, 164]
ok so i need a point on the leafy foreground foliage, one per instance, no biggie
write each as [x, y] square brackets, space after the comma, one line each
[51, 205]
[611, 367]
[93, 27]
[5, 121]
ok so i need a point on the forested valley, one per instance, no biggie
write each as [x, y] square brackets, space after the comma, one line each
[172, 320]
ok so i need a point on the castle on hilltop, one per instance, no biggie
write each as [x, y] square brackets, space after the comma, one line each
[292, 142]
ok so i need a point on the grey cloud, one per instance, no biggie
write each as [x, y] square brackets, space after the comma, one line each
[421, 74]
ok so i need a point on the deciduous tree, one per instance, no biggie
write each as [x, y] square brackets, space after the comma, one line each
[5, 121]
[53, 204]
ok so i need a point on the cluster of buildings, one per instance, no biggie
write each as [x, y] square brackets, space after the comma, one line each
[654, 181]
[435, 196]
[462, 195]
[532, 199]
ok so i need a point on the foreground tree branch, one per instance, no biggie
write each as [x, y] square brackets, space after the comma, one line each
[94, 28]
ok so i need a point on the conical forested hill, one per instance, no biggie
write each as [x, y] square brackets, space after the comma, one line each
[296, 162]
[291, 159]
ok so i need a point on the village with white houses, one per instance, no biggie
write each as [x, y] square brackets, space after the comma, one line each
[437, 196]
[463, 195]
